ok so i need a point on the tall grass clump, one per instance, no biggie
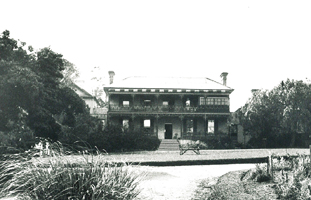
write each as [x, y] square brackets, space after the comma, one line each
[62, 177]
[294, 178]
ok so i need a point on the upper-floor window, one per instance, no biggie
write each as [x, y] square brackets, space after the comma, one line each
[217, 101]
[165, 103]
[221, 101]
[209, 101]
[126, 103]
[188, 102]
[147, 102]
[201, 101]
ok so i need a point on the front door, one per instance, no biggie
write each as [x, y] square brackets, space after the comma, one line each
[168, 131]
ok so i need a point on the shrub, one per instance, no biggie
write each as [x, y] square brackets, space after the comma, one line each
[113, 139]
[223, 142]
[295, 186]
[260, 174]
[59, 178]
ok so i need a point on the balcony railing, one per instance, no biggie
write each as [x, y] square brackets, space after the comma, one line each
[173, 109]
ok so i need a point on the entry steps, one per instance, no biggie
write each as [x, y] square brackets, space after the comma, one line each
[169, 145]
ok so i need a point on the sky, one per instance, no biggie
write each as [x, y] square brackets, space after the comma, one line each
[259, 43]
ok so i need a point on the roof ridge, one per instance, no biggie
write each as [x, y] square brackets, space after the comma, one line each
[218, 83]
[169, 81]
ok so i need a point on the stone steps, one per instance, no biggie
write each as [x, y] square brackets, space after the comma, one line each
[169, 145]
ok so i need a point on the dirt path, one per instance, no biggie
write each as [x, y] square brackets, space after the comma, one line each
[179, 183]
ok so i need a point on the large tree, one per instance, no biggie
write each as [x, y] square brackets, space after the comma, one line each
[33, 95]
[278, 114]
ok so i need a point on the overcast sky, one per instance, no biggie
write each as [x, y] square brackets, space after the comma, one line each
[259, 43]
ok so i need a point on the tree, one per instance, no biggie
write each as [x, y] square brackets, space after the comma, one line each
[31, 86]
[284, 112]
[70, 73]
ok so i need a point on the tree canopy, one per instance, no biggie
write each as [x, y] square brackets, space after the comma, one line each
[33, 91]
[281, 115]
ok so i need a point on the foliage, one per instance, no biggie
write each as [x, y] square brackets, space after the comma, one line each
[60, 178]
[260, 174]
[279, 114]
[293, 177]
[113, 139]
[223, 142]
[32, 85]
[70, 73]
[230, 186]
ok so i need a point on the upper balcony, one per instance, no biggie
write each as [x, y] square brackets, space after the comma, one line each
[171, 109]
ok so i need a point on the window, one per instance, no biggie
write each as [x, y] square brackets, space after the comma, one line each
[125, 124]
[201, 101]
[147, 123]
[126, 103]
[188, 102]
[217, 101]
[165, 103]
[210, 127]
[189, 125]
[209, 101]
[147, 102]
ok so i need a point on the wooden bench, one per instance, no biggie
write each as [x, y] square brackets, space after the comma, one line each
[185, 145]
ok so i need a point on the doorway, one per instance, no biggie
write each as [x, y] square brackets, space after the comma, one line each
[168, 131]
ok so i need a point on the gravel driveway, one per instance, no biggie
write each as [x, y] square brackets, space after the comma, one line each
[179, 183]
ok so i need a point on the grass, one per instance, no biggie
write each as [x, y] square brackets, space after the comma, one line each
[291, 180]
[158, 156]
[59, 178]
[231, 186]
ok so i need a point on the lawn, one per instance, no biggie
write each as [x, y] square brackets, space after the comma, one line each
[148, 156]
[206, 156]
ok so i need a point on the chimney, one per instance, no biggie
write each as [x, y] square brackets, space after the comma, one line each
[111, 75]
[224, 78]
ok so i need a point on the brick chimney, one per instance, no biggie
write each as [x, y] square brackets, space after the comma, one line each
[111, 75]
[224, 78]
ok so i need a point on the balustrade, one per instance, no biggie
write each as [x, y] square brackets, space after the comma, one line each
[174, 109]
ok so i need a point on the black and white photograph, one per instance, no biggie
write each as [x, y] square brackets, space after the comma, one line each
[155, 100]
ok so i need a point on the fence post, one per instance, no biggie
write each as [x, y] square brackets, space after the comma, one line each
[270, 164]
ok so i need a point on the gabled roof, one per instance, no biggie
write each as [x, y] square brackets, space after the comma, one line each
[169, 83]
[81, 92]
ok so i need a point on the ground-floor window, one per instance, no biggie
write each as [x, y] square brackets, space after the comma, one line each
[125, 124]
[189, 125]
[211, 127]
[147, 123]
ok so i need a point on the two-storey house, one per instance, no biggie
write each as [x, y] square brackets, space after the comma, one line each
[170, 107]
